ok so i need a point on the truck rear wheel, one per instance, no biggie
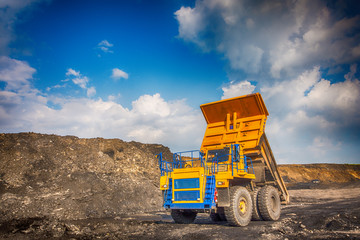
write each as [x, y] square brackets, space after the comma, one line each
[240, 210]
[255, 198]
[269, 203]
[183, 216]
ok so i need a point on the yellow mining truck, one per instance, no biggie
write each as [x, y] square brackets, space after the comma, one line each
[234, 176]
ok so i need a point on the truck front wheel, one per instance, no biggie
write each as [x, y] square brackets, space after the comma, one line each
[240, 210]
[183, 216]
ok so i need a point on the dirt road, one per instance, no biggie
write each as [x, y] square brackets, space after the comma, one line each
[312, 214]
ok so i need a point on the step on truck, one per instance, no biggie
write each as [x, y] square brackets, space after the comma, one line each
[234, 176]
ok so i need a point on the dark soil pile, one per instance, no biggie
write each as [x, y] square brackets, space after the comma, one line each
[48, 176]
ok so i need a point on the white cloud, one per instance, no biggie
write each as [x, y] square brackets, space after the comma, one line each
[113, 98]
[82, 81]
[324, 40]
[191, 20]
[117, 74]
[292, 90]
[15, 73]
[91, 91]
[105, 46]
[298, 129]
[309, 112]
[149, 133]
[337, 99]
[309, 92]
[237, 89]
[151, 106]
[289, 35]
[251, 63]
[322, 145]
[105, 43]
[72, 72]
[57, 86]
[342, 96]
[151, 118]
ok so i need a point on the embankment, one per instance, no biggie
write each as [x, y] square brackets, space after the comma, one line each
[320, 175]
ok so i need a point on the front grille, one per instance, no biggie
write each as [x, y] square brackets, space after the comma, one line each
[187, 195]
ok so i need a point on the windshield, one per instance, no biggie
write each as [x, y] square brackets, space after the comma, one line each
[218, 155]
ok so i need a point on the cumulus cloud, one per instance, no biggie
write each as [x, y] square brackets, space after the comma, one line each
[150, 119]
[118, 73]
[310, 112]
[336, 101]
[191, 24]
[237, 89]
[279, 37]
[15, 73]
[339, 98]
[288, 49]
[151, 106]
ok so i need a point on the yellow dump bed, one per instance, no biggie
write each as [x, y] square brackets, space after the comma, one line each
[239, 120]
[242, 121]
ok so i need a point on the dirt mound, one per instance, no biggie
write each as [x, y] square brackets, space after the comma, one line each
[320, 175]
[72, 178]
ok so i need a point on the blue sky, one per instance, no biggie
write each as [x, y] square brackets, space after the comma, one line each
[138, 70]
[143, 40]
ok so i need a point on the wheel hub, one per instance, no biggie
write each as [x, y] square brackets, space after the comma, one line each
[242, 206]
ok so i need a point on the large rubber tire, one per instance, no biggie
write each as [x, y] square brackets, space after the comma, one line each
[269, 203]
[183, 216]
[218, 216]
[240, 210]
[255, 198]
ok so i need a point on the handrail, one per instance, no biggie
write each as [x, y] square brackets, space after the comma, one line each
[181, 161]
[236, 159]
[165, 167]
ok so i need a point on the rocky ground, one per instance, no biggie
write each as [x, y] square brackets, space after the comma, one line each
[313, 214]
[48, 176]
[54, 187]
